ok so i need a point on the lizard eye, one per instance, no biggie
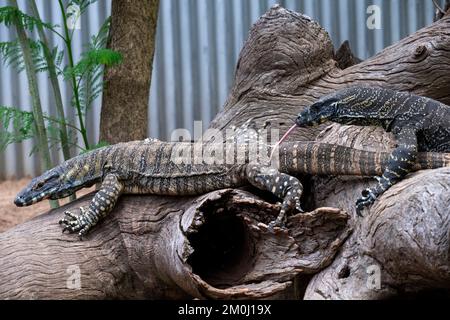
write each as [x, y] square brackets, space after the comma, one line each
[38, 185]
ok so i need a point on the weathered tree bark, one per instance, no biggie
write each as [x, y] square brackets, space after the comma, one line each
[124, 115]
[213, 246]
[155, 247]
[401, 247]
[344, 56]
[440, 11]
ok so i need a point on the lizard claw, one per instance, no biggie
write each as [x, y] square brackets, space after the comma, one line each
[299, 208]
[368, 197]
[275, 226]
[75, 223]
[278, 224]
[378, 178]
[291, 200]
[65, 228]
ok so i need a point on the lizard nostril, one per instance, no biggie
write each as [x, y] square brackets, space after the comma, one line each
[18, 201]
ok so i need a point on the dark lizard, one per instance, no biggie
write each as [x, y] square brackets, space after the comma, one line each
[153, 167]
[418, 124]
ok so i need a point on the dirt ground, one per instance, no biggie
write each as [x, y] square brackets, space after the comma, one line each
[10, 215]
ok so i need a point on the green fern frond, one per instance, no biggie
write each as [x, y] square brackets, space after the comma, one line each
[53, 127]
[58, 57]
[97, 84]
[91, 85]
[99, 40]
[15, 126]
[12, 56]
[10, 15]
[40, 61]
[54, 134]
[92, 58]
[89, 70]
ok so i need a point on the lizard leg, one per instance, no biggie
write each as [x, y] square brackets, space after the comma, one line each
[400, 163]
[281, 185]
[102, 204]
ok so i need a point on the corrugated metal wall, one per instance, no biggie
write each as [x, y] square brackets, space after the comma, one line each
[198, 42]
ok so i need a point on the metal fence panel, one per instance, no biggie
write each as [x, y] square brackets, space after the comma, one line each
[198, 42]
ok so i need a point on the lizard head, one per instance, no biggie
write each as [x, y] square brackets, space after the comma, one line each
[319, 112]
[50, 185]
[331, 107]
[53, 184]
[350, 105]
[40, 188]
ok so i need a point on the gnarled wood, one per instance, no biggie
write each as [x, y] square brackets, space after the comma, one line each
[344, 56]
[405, 240]
[213, 246]
[155, 247]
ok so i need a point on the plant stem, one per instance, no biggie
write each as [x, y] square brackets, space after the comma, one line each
[70, 143]
[62, 122]
[55, 83]
[35, 97]
[57, 33]
[63, 136]
[68, 42]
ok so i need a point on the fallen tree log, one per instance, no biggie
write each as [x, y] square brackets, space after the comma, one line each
[152, 247]
[401, 247]
[213, 246]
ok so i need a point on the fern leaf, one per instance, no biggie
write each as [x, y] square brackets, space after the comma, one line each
[58, 57]
[10, 15]
[54, 134]
[12, 56]
[96, 85]
[15, 126]
[92, 58]
[99, 40]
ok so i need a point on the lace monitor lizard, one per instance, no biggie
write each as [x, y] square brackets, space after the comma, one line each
[418, 124]
[153, 167]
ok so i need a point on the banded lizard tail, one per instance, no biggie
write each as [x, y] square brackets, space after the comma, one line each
[154, 167]
[418, 124]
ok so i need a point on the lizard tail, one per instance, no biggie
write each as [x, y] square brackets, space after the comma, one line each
[432, 160]
[329, 159]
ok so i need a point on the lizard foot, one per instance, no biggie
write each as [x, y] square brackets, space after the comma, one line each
[76, 223]
[279, 223]
[291, 200]
[368, 198]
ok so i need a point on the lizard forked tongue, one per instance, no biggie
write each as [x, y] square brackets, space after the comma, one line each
[275, 147]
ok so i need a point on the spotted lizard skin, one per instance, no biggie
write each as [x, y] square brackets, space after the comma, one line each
[152, 167]
[418, 124]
